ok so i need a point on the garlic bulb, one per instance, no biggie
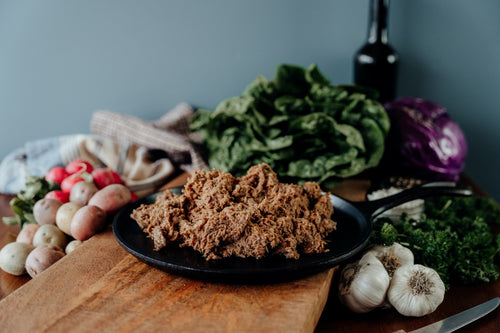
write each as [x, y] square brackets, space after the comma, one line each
[393, 257]
[415, 290]
[363, 285]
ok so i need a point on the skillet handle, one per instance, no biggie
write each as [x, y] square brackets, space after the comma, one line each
[374, 208]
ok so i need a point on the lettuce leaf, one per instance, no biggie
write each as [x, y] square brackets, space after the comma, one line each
[302, 126]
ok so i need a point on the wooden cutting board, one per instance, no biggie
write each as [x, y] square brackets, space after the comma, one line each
[101, 287]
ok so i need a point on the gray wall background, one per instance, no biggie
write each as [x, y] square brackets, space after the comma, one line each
[61, 60]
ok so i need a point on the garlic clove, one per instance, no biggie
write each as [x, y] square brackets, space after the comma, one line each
[363, 285]
[415, 290]
[393, 257]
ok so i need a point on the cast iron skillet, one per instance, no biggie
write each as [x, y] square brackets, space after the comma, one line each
[354, 225]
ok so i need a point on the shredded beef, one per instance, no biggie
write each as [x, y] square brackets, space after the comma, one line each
[220, 215]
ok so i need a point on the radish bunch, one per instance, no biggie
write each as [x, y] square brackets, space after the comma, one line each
[77, 171]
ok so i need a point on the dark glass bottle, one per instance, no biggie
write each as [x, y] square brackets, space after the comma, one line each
[376, 63]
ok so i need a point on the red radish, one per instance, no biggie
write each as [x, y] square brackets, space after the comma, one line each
[106, 176]
[133, 196]
[68, 182]
[58, 195]
[78, 165]
[56, 174]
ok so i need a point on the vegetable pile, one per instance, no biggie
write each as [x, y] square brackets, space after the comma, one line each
[59, 212]
[299, 124]
[425, 140]
[453, 237]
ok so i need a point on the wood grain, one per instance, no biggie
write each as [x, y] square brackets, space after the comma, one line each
[105, 288]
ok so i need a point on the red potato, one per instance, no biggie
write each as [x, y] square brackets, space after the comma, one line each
[64, 216]
[78, 165]
[111, 198]
[27, 232]
[58, 195]
[41, 258]
[57, 174]
[106, 176]
[87, 222]
[82, 192]
[45, 211]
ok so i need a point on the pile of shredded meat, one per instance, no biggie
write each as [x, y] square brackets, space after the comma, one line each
[220, 215]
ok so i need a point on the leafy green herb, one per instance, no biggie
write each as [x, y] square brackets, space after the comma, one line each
[453, 237]
[22, 205]
[299, 124]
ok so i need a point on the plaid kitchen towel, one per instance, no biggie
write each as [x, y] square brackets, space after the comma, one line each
[170, 133]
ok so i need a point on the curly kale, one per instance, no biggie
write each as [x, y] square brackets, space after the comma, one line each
[454, 238]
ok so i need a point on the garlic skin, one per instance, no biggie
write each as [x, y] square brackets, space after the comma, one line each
[415, 290]
[393, 257]
[364, 284]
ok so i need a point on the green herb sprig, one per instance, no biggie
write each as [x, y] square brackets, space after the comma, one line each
[22, 204]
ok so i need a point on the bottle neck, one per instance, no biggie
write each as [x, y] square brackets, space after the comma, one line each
[377, 32]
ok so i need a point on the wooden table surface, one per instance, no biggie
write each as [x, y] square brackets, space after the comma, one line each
[333, 317]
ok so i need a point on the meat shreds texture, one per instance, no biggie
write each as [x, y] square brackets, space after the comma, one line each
[220, 215]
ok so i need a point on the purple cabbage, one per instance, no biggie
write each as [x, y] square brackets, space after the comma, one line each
[426, 139]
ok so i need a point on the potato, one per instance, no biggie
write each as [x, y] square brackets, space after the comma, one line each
[111, 198]
[87, 221]
[49, 234]
[13, 257]
[27, 233]
[41, 258]
[65, 215]
[45, 210]
[72, 246]
[82, 192]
